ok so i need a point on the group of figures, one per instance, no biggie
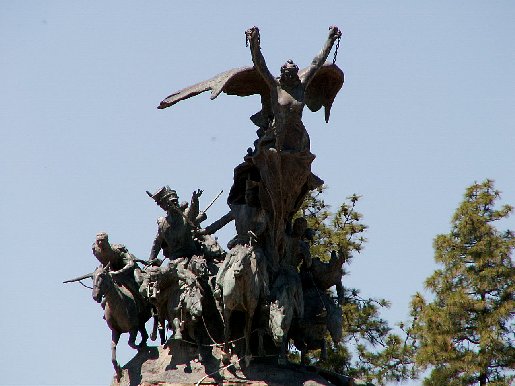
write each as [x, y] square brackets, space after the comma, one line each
[265, 290]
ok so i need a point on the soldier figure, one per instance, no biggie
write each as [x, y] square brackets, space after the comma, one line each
[177, 239]
[175, 231]
[251, 222]
[122, 266]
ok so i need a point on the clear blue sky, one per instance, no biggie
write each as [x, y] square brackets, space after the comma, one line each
[428, 108]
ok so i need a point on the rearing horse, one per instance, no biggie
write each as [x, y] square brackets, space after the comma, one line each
[122, 312]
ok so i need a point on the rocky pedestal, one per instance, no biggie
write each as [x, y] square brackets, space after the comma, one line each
[180, 365]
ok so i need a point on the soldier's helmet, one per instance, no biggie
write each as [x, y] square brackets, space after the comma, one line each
[165, 195]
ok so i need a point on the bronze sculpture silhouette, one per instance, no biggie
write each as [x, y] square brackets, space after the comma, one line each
[268, 273]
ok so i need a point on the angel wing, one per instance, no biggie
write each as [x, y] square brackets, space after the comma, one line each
[323, 88]
[243, 81]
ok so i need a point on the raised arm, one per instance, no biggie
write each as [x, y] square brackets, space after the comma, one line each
[253, 38]
[192, 213]
[319, 60]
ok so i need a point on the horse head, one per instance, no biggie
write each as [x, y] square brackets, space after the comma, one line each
[102, 282]
[152, 276]
[278, 321]
[242, 261]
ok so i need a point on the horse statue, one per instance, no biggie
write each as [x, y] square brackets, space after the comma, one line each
[321, 315]
[242, 287]
[287, 305]
[151, 290]
[122, 312]
[177, 295]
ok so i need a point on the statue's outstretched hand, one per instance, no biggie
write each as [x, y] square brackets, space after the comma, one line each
[197, 193]
[334, 32]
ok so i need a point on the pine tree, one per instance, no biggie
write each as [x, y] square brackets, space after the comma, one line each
[369, 350]
[465, 334]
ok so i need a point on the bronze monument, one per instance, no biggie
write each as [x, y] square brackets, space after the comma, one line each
[237, 308]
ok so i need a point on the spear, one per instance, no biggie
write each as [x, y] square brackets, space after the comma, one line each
[89, 275]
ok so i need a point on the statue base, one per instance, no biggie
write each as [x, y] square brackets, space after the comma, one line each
[179, 365]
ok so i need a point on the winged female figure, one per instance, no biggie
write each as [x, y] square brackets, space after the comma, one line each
[283, 98]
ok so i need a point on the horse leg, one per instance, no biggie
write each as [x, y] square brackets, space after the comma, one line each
[115, 337]
[195, 332]
[283, 360]
[144, 336]
[132, 338]
[248, 327]
[161, 329]
[226, 357]
[261, 349]
[153, 335]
